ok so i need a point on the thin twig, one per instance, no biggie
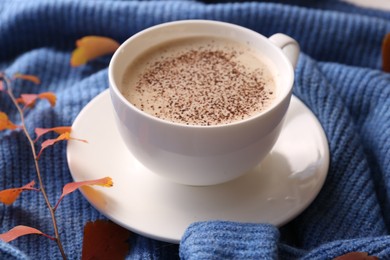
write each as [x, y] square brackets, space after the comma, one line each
[42, 188]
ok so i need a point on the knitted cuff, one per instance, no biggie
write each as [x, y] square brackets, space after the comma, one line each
[229, 240]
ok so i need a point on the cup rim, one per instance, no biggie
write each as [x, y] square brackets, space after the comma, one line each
[114, 88]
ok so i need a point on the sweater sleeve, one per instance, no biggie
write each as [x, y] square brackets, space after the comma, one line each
[229, 240]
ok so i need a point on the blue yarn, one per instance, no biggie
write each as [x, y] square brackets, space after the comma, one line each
[338, 76]
[8, 252]
[229, 240]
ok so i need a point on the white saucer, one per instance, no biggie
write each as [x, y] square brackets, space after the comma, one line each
[280, 188]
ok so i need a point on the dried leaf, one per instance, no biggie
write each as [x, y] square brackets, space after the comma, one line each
[9, 196]
[105, 240]
[356, 256]
[31, 78]
[62, 137]
[5, 123]
[49, 96]
[29, 100]
[91, 47]
[19, 231]
[386, 53]
[71, 187]
[59, 130]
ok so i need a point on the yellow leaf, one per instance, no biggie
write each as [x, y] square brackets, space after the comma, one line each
[31, 78]
[59, 130]
[5, 123]
[91, 47]
[49, 96]
[9, 196]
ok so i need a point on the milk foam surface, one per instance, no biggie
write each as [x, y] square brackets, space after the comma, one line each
[199, 81]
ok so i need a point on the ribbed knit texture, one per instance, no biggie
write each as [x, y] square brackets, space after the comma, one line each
[227, 240]
[338, 76]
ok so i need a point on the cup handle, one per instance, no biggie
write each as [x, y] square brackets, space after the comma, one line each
[289, 46]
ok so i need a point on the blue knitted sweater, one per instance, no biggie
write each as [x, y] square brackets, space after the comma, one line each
[338, 76]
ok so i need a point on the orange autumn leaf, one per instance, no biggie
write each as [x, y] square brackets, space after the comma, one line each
[5, 123]
[31, 78]
[105, 240]
[59, 130]
[19, 231]
[91, 47]
[49, 96]
[29, 100]
[71, 187]
[62, 137]
[8, 196]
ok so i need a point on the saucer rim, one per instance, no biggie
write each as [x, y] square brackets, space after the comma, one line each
[170, 239]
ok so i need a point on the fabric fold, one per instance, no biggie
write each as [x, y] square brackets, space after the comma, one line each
[9, 252]
[229, 240]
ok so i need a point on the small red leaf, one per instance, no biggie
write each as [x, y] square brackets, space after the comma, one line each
[9, 196]
[59, 130]
[91, 47]
[105, 240]
[19, 231]
[5, 123]
[28, 99]
[71, 187]
[62, 137]
[31, 78]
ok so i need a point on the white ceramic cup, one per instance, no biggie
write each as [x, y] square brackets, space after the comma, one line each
[202, 155]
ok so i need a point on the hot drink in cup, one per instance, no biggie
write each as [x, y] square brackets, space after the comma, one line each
[200, 81]
[201, 102]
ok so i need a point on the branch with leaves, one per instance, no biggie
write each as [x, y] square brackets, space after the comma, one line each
[88, 48]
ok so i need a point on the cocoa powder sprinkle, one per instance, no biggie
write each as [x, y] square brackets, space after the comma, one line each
[203, 86]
